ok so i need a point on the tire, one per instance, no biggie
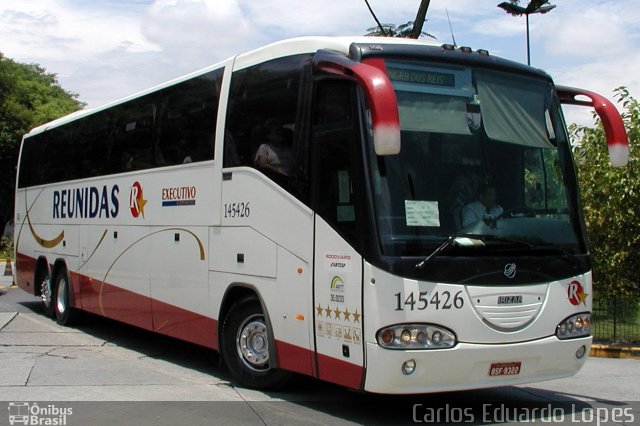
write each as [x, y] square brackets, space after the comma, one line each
[65, 314]
[245, 347]
[46, 292]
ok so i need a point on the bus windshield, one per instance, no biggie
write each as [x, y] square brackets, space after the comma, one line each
[484, 153]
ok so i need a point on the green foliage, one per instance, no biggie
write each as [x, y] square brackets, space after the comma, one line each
[29, 96]
[611, 202]
[6, 248]
[392, 30]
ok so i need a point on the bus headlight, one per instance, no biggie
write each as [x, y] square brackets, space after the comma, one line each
[575, 326]
[416, 336]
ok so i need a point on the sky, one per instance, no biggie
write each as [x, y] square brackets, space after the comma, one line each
[104, 50]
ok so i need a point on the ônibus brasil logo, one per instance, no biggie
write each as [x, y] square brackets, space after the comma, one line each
[26, 413]
[136, 200]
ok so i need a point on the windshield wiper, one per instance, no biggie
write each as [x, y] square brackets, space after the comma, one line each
[475, 240]
[447, 243]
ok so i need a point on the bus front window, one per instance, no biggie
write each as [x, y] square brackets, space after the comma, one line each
[462, 129]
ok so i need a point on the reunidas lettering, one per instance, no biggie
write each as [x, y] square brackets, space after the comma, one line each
[88, 202]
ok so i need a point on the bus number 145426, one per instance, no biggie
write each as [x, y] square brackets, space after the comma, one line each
[234, 210]
[420, 301]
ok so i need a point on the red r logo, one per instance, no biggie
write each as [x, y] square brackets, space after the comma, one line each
[136, 200]
[576, 293]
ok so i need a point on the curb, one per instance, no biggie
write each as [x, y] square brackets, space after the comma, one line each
[609, 351]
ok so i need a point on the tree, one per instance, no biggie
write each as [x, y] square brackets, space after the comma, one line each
[412, 29]
[29, 96]
[611, 200]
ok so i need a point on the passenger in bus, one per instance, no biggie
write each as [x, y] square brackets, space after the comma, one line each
[185, 150]
[275, 154]
[484, 208]
[462, 192]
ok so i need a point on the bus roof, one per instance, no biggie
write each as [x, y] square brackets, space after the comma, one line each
[274, 50]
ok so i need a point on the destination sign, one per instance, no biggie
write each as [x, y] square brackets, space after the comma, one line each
[422, 77]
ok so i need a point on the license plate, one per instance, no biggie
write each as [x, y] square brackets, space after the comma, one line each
[505, 368]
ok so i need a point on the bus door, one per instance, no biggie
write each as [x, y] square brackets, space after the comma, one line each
[337, 263]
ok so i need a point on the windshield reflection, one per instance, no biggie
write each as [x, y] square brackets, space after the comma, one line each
[465, 132]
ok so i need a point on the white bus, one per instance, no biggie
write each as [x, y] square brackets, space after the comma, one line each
[303, 208]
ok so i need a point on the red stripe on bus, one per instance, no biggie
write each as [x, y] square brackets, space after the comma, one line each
[340, 372]
[295, 358]
[25, 271]
[125, 306]
[145, 312]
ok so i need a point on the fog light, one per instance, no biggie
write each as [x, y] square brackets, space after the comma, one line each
[408, 367]
[581, 351]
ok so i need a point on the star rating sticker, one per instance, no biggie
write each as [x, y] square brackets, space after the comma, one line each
[356, 316]
[327, 312]
[337, 312]
[347, 315]
[319, 310]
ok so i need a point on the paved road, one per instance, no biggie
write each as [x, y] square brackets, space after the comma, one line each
[107, 373]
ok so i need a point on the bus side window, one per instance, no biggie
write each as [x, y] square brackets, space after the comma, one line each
[187, 119]
[333, 137]
[263, 101]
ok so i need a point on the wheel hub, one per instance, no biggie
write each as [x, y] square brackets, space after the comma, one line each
[253, 344]
[45, 291]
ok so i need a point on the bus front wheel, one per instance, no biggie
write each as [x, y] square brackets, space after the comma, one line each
[245, 347]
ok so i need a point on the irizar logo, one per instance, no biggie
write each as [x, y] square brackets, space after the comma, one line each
[509, 300]
[510, 270]
[136, 200]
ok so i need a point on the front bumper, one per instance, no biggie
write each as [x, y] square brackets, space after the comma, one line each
[466, 366]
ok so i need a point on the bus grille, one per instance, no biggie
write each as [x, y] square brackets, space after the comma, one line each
[508, 309]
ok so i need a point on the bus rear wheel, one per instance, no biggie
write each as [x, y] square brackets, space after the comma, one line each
[245, 347]
[65, 314]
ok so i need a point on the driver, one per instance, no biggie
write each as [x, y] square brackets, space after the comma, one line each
[484, 208]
